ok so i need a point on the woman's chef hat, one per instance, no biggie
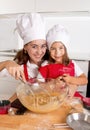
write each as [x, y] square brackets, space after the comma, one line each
[57, 34]
[31, 27]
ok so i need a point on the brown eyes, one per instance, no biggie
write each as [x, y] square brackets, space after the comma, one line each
[56, 48]
[35, 46]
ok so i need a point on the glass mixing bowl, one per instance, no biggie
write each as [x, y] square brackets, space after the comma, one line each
[42, 97]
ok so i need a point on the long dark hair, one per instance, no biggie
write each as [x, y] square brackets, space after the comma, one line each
[22, 57]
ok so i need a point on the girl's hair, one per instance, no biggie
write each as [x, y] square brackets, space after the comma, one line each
[22, 57]
[65, 59]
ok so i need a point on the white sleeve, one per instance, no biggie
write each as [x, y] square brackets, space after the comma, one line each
[40, 77]
[44, 63]
[78, 70]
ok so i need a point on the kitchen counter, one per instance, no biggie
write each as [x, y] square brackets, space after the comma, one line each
[34, 121]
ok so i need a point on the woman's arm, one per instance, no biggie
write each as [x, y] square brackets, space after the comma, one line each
[13, 68]
[3, 65]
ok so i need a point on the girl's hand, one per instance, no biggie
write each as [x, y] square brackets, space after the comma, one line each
[15, 70]
[60, 81]
[66, 78]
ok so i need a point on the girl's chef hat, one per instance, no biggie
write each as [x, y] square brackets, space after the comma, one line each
[57, 34]
[31, 27]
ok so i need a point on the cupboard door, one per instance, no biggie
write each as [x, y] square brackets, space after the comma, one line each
[7, 83]
[16, 6]
[84, 66]
[3, 58]
[7, 87]
[62, 5]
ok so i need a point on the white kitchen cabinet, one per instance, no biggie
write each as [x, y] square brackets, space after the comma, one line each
[24, 6]
[7, 87]
[62, 5]
[84, 66]
[16, 6]
[6, 56]
[7, 84]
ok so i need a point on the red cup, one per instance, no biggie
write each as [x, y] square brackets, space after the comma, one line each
[4, 106]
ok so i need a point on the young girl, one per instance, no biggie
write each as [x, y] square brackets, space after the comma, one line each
[60, 67]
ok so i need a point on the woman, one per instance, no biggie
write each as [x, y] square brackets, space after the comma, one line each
[31, 28]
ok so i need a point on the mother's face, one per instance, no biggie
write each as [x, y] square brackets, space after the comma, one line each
[36, 50]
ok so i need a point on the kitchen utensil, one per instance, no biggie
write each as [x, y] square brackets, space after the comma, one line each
[4, 106]
[27, 84]
[60, 126]
[78, 121]
[41, 97]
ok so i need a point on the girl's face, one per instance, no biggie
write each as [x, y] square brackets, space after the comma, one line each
[57, 52]
[36, 50]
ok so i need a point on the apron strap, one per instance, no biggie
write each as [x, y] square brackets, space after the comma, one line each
[31, 80]
[25, 72]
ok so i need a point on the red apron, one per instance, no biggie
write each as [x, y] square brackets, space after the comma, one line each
[55, 70]
[30, 80]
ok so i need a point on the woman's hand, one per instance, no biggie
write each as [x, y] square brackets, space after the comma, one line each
[15, 70]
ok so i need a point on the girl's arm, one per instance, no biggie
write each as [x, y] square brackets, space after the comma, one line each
[77, 80]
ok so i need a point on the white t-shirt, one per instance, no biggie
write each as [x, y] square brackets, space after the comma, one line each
[78, 70]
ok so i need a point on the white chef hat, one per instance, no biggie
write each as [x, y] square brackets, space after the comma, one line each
[31, 27]
[57, 33]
